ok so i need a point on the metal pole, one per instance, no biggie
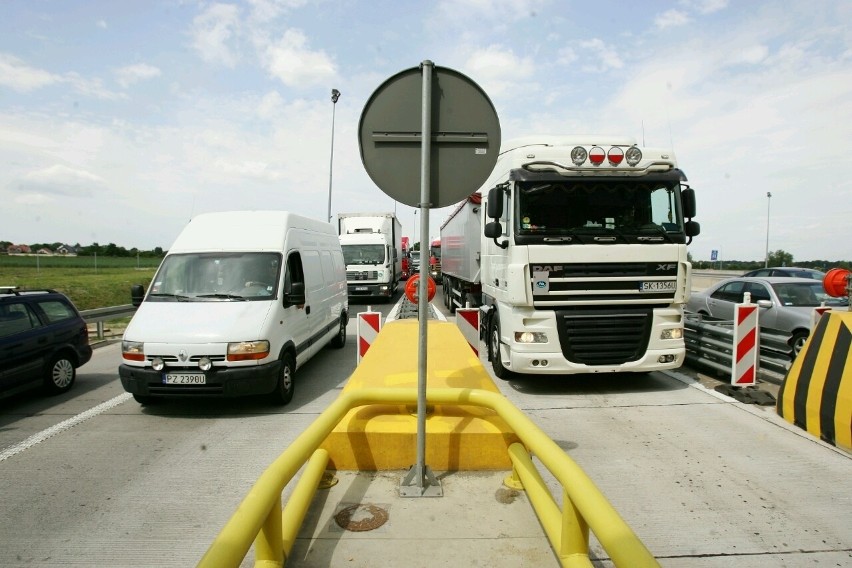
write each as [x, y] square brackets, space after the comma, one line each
[426, 483]
[335, 94]
[768, 201]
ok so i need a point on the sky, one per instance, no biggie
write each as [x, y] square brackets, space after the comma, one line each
[120, 121]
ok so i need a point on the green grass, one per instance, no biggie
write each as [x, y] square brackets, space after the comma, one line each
[88, 286]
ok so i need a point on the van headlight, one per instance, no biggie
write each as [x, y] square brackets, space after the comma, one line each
[248, 350]
[672, 333]
[133, 350]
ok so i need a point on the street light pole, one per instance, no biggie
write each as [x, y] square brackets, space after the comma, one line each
[768, 201]
[335, 94]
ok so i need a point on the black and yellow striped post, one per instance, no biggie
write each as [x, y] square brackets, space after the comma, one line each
[816, 394]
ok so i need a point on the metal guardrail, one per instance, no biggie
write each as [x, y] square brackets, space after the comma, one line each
[711, 342]
[260, 518]
[100, 315]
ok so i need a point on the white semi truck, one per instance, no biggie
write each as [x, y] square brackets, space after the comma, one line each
[575, 252]
[372, 251]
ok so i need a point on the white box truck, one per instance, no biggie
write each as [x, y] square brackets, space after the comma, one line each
[372, 250]
[239, 303]
[575, 251]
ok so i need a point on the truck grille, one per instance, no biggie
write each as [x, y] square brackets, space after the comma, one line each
[604, 337]
[613, 284]
[354, 275]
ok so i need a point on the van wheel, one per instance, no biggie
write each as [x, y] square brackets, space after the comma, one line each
[284, 390]
[144, 399]
[60, 374]
[339, 340]
[500, 371]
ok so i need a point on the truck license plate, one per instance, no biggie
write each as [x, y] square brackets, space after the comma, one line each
[360, 288]
[184, 379]
[668, 286]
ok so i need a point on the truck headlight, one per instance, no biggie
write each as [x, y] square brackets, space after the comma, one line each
[248, 350]
[530, 337]
[672, 333]
[133, 350]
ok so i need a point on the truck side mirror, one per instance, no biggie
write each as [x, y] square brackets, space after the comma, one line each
[296, 295]
[137, 292]
[687, 198]
[493, 230]
[495, 203]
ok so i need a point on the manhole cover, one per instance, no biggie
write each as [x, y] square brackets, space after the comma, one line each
[360, 518]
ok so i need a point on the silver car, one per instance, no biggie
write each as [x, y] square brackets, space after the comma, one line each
[786, 304]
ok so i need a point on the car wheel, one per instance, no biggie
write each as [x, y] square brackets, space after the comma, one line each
[60, 374]
[494, 350]
[339, 340]
[797, 342]
[285, 388]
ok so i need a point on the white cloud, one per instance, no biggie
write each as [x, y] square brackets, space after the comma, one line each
[60, 180]
[605, 56]
[706, 6]
[17, 75]
[131, 74]
[267, 10]
[292, 62]
[497, 68]
[671, 19]
[752, 55]
[213, 33]
[101, 24]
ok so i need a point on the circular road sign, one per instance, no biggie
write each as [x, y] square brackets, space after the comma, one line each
[412, 289]
[464, 138]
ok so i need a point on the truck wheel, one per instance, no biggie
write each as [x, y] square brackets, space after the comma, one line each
[445, 287]
[284, 390]
[339, 340]
[452, 292]
[494, 350]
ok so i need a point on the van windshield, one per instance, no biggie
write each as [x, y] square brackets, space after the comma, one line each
[203, 277]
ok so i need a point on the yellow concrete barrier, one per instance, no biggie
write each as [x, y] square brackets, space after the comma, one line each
[816, 394]
[382, 437]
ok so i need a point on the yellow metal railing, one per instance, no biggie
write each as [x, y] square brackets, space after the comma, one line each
[260, 519]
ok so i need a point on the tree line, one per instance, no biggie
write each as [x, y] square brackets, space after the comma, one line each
[93, 249]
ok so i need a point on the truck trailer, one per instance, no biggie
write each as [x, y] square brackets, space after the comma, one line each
[372, 250]
[574, 250]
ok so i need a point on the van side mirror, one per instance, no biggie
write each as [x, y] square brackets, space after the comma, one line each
[495, 203]
[687, 198]
[296, 295]
[137, 292]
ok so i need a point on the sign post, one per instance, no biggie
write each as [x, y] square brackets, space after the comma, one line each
[450, 151]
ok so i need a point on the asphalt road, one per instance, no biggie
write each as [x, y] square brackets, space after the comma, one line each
[90, 478]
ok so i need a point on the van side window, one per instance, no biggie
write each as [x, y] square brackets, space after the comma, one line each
[327, 268]
[294, 272]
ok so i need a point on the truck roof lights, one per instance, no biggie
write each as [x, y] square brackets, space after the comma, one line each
[633, 155]
[597, 155]
[579, 155]
[615, 155]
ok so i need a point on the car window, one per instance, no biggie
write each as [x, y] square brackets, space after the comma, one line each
[16, 318]
[56, 310]
[730, 292]
[762, 272]
[797, 294]
[758, 291]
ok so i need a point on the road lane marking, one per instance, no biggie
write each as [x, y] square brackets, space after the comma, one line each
[62, 426]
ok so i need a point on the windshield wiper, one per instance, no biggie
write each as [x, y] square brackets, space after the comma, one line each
[661, 233]
[223, 296]
[178, 297]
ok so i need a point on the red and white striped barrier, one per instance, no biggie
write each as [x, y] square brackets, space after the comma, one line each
[368, 325]
[467, 320]
[817, 315]
[744, 362]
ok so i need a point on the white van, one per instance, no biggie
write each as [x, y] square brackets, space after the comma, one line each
[239, 303]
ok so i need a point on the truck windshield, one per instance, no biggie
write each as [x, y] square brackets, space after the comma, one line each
[364, 254]
[630, 210]
[217, 276]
